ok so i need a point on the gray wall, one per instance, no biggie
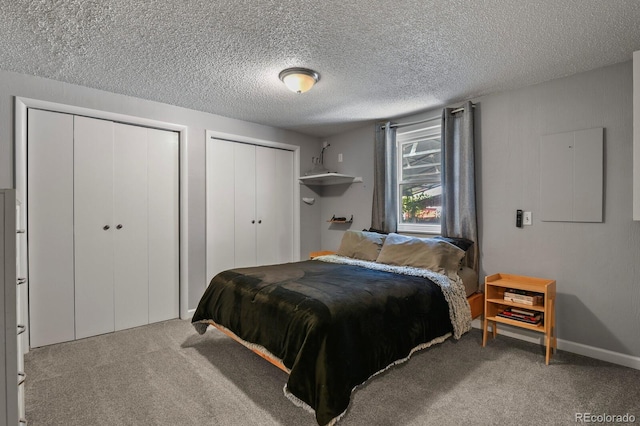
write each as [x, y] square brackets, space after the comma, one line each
[356, 147]
[12, 84]
[596, 265]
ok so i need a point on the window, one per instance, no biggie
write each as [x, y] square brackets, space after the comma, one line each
[419, 177]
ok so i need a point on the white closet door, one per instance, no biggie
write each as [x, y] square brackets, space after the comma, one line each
[283, 201]
[50, 222]
[164, 236]
[266, 206]
[220, 187]
[94, 227]
[129, 227]
[274, 205]
[245, 205]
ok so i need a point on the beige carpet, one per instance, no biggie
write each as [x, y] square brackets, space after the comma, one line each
[166, 374]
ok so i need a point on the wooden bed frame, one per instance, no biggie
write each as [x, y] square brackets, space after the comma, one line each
[272, 360]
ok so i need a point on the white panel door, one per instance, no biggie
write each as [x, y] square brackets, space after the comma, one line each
[283, 201]
[220, 216]
[274, 198]
[129, 229]
[266, 206]
[245, 205]
[94, 227]
[163, 223]
[50, 224]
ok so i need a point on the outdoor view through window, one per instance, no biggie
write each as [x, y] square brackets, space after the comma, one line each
[419, 178]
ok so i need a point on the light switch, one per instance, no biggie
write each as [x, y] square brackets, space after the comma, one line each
[526, 218]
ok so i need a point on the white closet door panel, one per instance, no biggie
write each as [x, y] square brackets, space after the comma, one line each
[283, 201]
[50, 223]
[164, 237]
[129, 229]
[22, 292]
[245, 204]
[266, 205]
[220, 187]
[93, 210]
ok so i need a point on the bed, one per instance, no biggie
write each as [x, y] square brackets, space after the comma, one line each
[335, 321]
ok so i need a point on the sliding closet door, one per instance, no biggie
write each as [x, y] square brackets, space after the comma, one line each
[93, 212]
[50, 224]
[245, 204]
[129, 227]
[163, 224]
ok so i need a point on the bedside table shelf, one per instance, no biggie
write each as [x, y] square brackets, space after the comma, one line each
[495, 287]
[538, 308]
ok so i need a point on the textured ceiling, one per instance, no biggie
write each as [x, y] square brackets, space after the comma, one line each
[377, 59]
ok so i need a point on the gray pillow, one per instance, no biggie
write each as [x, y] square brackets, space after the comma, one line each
[429, 253]
[361, 245]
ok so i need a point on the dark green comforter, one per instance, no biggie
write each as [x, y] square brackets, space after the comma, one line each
[332, 325]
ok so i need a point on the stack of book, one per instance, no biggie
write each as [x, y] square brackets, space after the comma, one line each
[523, 315]
[521, 296]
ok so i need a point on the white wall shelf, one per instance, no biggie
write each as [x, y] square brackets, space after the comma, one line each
[329, 179]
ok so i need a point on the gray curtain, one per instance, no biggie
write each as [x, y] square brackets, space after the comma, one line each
[458, 180]
[384, 214]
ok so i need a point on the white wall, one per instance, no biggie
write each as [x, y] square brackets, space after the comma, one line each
[13, 84]
[596, 265]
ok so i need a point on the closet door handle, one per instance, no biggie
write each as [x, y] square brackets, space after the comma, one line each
[21, 377]
[253, 221]
[260, 221]
[106, 227]
[20, 231]
[119, 226]
[22, 281]
[21, 329]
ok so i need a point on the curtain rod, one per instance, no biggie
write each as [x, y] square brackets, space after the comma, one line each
[461, 109]
[427, 119]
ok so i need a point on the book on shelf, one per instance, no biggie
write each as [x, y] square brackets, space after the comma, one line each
[529, 319]
[524, 312]
[524, 302]
[527, 299]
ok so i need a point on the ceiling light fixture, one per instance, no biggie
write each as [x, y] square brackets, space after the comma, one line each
[299, 80]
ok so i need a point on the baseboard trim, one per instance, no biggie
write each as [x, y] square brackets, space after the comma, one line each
[573, 347]
[601, 354]
[189, 314]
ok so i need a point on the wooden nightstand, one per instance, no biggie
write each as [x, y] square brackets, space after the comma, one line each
[495, 303]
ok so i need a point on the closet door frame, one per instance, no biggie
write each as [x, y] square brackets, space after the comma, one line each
[21, 107]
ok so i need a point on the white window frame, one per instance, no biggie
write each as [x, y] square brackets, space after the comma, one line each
[429, 129]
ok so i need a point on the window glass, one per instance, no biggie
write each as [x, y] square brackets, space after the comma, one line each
[419, 178]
